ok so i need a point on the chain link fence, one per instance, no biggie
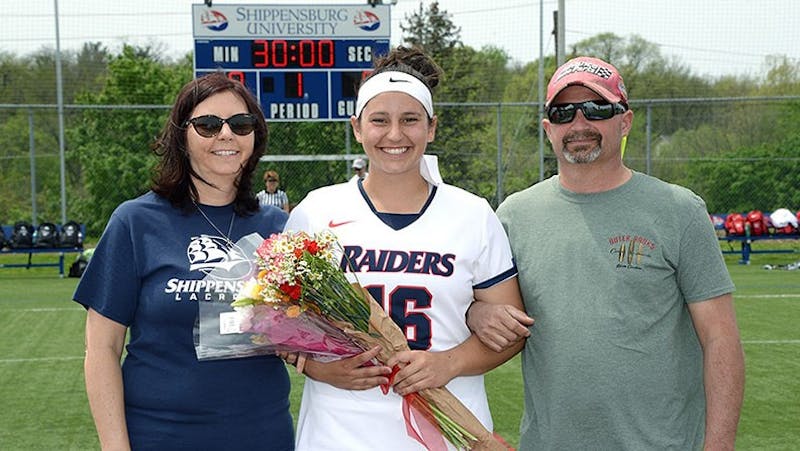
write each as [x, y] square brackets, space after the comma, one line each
[719, 148]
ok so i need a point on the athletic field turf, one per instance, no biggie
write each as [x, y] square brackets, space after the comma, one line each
[43, 403]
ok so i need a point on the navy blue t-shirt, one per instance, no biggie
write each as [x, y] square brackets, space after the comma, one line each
[144, 274]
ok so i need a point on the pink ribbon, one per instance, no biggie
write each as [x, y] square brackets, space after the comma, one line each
[420, 424]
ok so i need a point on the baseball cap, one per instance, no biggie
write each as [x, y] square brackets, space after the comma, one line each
[359, 163]
[595, 74]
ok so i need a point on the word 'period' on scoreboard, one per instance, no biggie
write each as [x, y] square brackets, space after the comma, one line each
[303, 63]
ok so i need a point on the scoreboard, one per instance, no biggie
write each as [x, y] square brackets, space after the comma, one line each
[303, 63]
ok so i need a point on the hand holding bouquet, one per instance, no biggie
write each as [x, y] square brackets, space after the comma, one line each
[300, 300]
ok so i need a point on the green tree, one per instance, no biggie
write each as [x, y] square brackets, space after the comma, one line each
[521, 127]
[15, 172]
[730, 133]
[431, 29]
[112, 145]
[30, 82]
[751, 178]
[783, 77]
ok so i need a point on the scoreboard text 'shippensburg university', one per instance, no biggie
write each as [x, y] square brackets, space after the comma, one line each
[304, 63]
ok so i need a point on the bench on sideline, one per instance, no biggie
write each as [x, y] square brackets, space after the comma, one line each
[61, 251]
[746, 240]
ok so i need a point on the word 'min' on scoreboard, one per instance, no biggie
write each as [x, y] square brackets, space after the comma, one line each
[304, 63]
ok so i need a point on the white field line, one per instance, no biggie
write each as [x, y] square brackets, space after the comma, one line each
[771, 342]
[765, 296]
[41, 359]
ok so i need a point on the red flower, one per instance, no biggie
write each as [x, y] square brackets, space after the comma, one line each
[293, 291]
[311, 246]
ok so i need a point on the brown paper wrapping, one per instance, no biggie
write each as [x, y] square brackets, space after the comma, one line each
[384, 332]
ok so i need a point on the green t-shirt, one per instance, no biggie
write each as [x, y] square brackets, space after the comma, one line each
[613, 361]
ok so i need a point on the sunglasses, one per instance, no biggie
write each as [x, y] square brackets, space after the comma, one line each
[271, 180]
[593, 110]
[210, 125]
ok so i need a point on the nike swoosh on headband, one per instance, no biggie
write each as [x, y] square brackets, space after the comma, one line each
[398, 81]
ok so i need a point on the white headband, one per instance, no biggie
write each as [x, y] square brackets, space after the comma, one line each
[394, 81]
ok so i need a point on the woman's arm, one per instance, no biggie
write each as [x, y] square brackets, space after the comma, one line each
[422, 369]
[105, 339]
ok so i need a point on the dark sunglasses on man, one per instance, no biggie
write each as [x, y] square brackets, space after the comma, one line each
[593, 110]
[210, 125]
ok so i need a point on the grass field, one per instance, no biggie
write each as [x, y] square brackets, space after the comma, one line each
[43, 403]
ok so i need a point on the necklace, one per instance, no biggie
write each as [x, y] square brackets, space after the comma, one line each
[230, 227]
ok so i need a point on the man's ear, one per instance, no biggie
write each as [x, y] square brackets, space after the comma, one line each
[546, 127]
[627, 122]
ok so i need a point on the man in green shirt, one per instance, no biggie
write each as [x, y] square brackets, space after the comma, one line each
[635, 344]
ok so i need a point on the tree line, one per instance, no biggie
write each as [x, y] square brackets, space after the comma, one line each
[738, 155]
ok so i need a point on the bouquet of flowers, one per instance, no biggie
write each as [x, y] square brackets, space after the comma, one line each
[298, 299]
[254, 317]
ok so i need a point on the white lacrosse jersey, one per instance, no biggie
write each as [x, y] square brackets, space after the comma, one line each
[424, 275]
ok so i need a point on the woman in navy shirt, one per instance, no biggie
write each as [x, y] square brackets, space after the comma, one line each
[145, 279]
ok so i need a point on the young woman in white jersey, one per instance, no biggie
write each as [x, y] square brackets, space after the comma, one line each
[424, 250]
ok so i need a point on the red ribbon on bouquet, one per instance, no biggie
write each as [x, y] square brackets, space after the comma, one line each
[420, 424]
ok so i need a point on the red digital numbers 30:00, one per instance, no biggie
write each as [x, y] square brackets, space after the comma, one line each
[280, 53]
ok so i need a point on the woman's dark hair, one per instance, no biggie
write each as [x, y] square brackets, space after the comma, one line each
[411, 61]
[173, 174]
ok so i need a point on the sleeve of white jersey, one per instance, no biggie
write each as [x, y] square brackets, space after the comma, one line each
[495, 263]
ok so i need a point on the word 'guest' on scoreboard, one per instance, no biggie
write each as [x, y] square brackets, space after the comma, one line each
[304, 63]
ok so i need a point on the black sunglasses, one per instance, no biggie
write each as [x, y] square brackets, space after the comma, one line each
[593, 110]
[210, 125]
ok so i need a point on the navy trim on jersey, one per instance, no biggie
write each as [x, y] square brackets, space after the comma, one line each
[497, 279]
[396, 221]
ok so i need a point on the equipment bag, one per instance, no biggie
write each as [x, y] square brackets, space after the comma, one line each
[734, 224]
[22, 235]
[758, 224]
[70, 235]
[46, 235]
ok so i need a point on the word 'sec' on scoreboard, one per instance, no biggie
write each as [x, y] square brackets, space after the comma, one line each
[304, 63]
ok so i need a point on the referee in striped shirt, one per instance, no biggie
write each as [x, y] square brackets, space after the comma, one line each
[271, 195]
